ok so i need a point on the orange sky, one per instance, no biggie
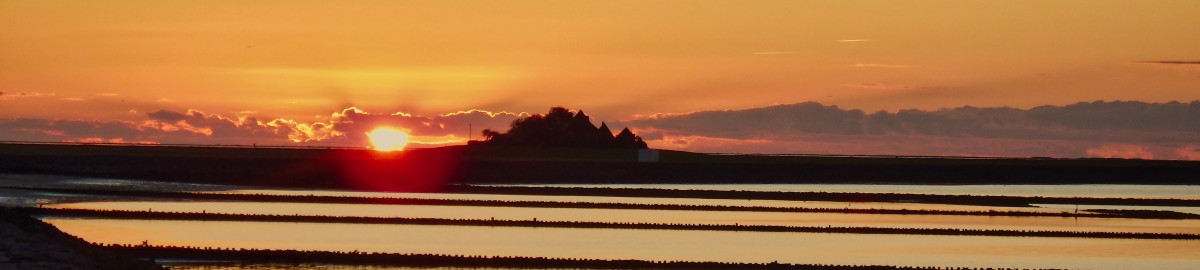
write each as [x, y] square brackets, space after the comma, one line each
[117, 60]
[302, 58]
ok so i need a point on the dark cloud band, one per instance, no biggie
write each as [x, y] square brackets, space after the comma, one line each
[1171, 62]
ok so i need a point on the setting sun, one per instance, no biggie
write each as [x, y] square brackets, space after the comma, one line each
[388, 139]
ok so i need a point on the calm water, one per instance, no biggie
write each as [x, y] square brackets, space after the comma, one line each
[1100, 191]
[757, 247]
[1049, 208]
[912, 250]
[638, 200]
[660, 216]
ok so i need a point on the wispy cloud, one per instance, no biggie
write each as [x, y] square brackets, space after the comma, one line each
[1171, 62]
[165, 100]
[1189, 152]
[880, 86]
[774, 53]
[880, 66]
[853, 40]
[11, 96]
[1122, 151]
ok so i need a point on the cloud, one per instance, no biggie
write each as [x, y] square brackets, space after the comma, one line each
[352, 123]
[878, 86]
[891, 145]
[1189, 152]
[1121, 151]
[28, 129]
[343, 128]
[168, 116]
[11, 96]
[880, 66]
[1120, 116]
[773, 53]
[1064, 131]
[760, 122]
[1171, 62]
[853, 40]
[1118, 129]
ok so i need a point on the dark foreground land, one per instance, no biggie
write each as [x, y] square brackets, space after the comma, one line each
[430, 169]
[27, 243]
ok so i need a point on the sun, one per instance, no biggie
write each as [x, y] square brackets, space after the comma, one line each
[388, 139]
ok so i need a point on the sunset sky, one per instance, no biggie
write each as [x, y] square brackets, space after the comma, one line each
[325, 72]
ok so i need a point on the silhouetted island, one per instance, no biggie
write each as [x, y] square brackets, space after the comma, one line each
[561, 128]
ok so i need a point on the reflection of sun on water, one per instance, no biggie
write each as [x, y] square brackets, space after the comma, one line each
[388, 139]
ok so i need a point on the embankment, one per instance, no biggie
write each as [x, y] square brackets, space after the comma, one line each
[428, 169]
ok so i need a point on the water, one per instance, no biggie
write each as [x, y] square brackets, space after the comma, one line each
[1046, 208]
[637, 200]
[755, 247]
[660, 216]
[1096, 191]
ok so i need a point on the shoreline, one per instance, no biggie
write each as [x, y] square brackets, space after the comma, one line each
[292, 257]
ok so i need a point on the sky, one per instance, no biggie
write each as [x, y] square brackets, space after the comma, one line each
[323, 73]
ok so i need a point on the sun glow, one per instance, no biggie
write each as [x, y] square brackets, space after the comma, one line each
[388, 139]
